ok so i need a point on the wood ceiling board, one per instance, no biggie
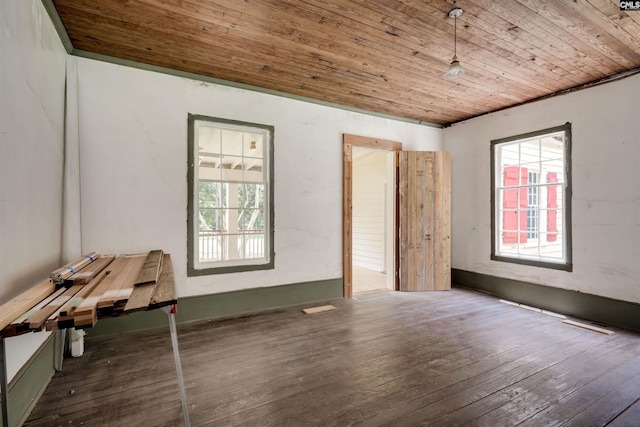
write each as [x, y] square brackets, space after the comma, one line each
[387, 56]
[392, 93]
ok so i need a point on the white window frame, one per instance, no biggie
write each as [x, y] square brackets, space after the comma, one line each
[196, 266]
[533, 191]
[564, 263]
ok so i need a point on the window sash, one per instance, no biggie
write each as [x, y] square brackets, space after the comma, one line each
[536, 203]
[224, 232]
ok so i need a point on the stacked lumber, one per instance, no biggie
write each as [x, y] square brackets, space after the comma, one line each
[92, 287]
[25, 301]
[61, 274]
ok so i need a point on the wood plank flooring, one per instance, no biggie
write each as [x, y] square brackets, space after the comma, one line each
[380, 359]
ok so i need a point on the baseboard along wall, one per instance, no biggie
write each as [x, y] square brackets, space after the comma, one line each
[607, 311]
[224, 305]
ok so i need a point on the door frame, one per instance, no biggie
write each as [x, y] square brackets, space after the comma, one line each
[348, 142]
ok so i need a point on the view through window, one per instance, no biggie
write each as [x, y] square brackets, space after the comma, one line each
[531, 198]
[230, 197]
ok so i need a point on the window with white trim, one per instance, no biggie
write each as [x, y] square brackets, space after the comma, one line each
[230, 210]
[531, 198]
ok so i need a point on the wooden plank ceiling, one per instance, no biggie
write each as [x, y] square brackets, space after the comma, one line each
[386, 56]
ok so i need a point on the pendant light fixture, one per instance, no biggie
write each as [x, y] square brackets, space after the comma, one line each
[455, 69]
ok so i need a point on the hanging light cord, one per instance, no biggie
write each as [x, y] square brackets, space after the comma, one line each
[455, 35]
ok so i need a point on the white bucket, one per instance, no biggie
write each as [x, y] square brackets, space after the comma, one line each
[77, 342]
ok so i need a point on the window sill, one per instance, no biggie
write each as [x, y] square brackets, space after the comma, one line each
[568, 267]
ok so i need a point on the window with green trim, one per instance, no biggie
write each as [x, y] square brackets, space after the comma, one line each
[230, 209]
[531, 198]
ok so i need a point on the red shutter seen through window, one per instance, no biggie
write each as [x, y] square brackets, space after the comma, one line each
[512, 199]
[552, 203]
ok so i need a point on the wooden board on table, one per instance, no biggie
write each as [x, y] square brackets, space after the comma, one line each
[66, 313]
[88, 272]
[20, 326]
[38, 320]
[163, 293]
[98, 274]
[150, 269]
[121, 286]
[85, 315]
[63, 273]
[16, 307]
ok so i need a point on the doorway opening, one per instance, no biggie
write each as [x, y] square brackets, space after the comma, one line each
[370, 220]
[373, 214]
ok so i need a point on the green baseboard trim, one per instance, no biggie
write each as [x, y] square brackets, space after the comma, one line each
[608, 311]
[29, 383]
[225, 304]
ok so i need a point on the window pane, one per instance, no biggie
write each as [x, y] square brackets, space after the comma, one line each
[231, 142]
[209, 139]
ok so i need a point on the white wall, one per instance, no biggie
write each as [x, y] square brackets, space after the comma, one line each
[606, 188]
[133, 149]
[32, 74]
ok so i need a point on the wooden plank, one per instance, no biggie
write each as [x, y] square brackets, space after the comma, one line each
[121, 286]
[347, 217]
[150, 269]
[368, 142]
[631, 414]
[66, 314]
[139, 298]
[86, 320]
[85, 315]
[19, 326]
[318, 309]
[59, 275]
[70, 307]
[425, 200]
[442, 221]
[614, 381]
[37, 320]
[412, 232]
[587, 326]
[15, 307]
[403, 250]
[88, 272]
[165, 290]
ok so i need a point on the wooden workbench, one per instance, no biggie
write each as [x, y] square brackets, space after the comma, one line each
[92, 288]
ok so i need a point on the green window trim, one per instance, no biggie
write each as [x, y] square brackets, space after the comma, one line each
[192, 225]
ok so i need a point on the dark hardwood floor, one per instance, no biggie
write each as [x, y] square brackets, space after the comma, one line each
[382, 358]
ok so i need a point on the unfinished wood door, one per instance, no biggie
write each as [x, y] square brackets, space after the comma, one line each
[425, 224]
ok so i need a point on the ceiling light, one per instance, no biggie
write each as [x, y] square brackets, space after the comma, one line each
[455, 69]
